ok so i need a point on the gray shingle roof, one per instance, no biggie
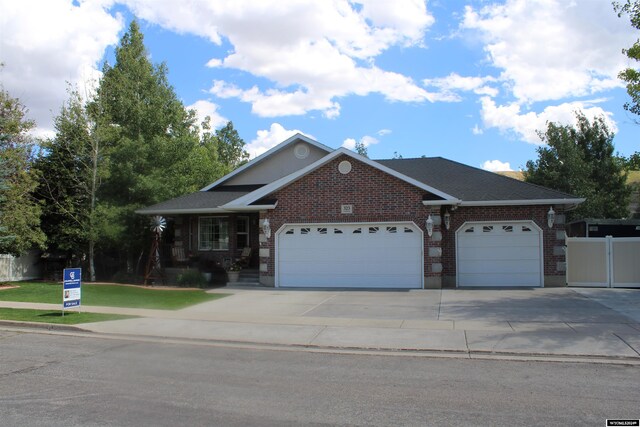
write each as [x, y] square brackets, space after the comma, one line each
[468, 183]
[200, 201]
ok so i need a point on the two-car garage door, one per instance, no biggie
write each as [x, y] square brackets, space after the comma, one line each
[499, 254]
[377, 255]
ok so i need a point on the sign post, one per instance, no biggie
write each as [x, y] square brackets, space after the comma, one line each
[71, 288]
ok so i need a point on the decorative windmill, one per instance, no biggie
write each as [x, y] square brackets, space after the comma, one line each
[154, 269]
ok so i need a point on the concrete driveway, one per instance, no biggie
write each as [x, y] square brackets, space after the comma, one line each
[552, 305]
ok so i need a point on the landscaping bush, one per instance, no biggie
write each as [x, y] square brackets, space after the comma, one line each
[191, 278]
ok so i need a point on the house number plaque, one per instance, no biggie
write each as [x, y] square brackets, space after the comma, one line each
[346, 209]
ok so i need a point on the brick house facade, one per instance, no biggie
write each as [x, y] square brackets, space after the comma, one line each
[315, 190]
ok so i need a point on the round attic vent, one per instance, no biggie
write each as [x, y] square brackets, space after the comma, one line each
[301, 151]
[344, 167]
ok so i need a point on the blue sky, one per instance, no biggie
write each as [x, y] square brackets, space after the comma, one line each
[467, 80]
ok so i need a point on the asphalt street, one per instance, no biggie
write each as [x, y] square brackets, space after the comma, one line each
[51, 380]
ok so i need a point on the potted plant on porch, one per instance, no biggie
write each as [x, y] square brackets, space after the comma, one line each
[233, 273]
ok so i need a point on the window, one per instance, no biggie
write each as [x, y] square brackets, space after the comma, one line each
[470, 230]
[242, 232]
[373, 230]
[305, 230]
[507, 228]
[408, 230]
[290, 231]
[213, 233]
[357, 231]
[337, 231]
[392, 230]
[525, 228]
[487, 228]
[322, 230]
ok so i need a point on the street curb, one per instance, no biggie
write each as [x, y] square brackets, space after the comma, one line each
[405, 352]
[42, 325]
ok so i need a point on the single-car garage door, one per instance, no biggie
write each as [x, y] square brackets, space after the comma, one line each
[499, 254]
[359, 255]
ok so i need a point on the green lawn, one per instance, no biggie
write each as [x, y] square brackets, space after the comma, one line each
[109, 295]
[47, 316]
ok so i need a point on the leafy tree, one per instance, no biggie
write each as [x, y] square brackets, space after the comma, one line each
[5, 238]
[580, 160]
[71, 169]
[230, 148]
[20, 228]
[361, 149]
[631, 75]
[633, 162]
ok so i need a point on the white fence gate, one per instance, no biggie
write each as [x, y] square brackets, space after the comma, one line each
[612, 262]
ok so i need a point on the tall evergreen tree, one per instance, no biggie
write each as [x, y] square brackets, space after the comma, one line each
[20, 227]
[153, 142]
[580, 160]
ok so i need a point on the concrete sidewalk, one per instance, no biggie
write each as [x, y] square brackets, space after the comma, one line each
[555, 322]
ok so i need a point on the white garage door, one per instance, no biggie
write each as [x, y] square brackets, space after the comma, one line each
[499, 254]
[350, 256]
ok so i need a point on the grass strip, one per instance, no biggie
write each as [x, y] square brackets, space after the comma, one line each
[109, 295]
[48, 316]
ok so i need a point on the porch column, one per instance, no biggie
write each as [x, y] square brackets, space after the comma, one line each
[433, 252]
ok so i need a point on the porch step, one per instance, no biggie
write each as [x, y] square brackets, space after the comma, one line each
[248, 277]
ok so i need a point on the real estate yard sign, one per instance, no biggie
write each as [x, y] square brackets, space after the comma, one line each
[71, 287]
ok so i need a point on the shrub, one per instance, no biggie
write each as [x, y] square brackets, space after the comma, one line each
[191, 278]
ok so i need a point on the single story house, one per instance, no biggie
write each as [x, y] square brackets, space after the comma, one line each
[321, 217]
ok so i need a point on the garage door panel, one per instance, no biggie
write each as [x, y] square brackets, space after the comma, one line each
[376, 255]
[499, 254]
[500, 267]
[505, 253]
[498, 279]
[480, 240]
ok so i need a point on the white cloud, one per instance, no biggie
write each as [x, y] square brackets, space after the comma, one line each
[454, 82]
[39, 57]
[496, 166]
[311, 51]
[383, 132]
[477, 130]
[366, 141]
[269, 138]
[552, 49]
[509, 118]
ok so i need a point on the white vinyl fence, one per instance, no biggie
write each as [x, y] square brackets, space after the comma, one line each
[19, 268]
[610, 262]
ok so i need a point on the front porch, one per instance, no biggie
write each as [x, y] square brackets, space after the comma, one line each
[212, 244]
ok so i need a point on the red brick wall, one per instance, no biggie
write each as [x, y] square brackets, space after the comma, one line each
[379, 197]
[317, 197]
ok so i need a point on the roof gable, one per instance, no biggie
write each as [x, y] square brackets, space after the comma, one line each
[279, 161]
[282, 182]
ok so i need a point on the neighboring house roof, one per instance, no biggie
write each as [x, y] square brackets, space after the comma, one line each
[475, 186]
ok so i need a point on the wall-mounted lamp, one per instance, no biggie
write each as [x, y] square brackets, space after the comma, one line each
[266, 228]
[447, 219]
[551, 217]
[429, 225]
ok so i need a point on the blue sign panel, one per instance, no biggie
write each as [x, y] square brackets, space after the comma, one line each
[71, 287]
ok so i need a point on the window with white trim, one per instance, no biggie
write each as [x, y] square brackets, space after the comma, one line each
[213, 233]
